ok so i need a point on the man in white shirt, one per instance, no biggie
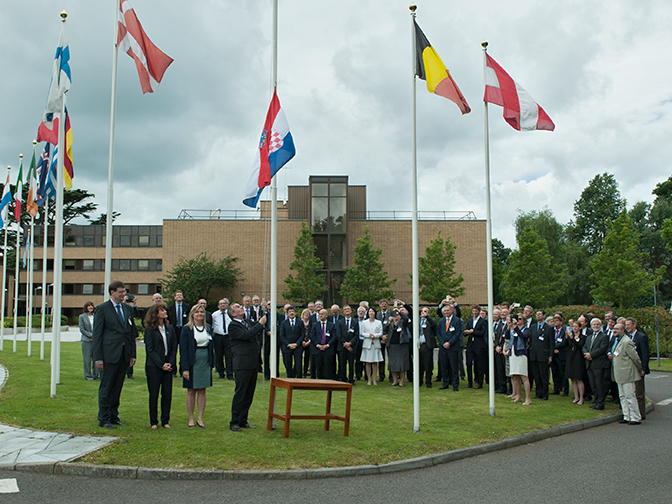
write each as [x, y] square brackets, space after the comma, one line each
[223, 356]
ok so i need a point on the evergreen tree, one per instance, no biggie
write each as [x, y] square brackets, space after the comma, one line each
[618, 273]
[308, 284]
[366, 280]
[437, 272]
[532, 278]
[196, 277]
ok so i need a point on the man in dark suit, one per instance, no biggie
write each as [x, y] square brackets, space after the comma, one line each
[597, 364]
[113, 352]
[291, 336]
[540, 353]
[384, 316]
[334, 318]
[476, 333]
[500, 361]
[348, 339]
[457, 311]
[641, 342]
[244, 336]
[427, 346]
[322, 339]
[560, 383]
[449, 334]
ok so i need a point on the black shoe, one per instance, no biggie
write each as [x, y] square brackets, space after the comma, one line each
[544, 398]
[477, 386]
[437, 379]
[634, 423]
[565, 394]
[130, 377]
[623, 420]
[596, 407]
[444, 387]
[353, 383]
[468, 385]
[235, 428]
[429, 385]
[220, 377]
[117, 422]
[455, 389]
[246, 425]
[201, 426]
[229, 377]
[106, 425]
[555, 392]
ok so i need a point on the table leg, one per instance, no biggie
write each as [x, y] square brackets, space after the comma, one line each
[348, 400]
[271, 401]
[288, 410]
[326, 421]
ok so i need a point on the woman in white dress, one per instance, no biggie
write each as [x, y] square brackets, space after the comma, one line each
[519, 336]
[372, 331]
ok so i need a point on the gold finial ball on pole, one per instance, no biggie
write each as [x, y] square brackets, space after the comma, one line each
[34, 142]
[412, 7]
[9, 167]
[484, 44]
[20, 156]
[64, 15]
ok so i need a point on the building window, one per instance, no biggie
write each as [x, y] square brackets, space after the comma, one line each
[124, 241]
[69, 264]
[143, 264]
[336, 252]
[70, 241]
[143, 289]
[125, 264]
[87, 288]
[143, 241]
[87, 264]
[159, 241]
[159, 264]
[88, 241]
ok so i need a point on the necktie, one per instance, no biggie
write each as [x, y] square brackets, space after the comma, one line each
[291, 322]
[120, 313]
[447, 323]
[324, 335]
[179, 314]
[247, 313]
[347, 324]
[539, 328]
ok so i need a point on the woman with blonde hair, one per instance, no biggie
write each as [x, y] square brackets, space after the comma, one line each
[197, 358]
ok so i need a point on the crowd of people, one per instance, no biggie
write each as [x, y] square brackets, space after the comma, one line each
[350, 344]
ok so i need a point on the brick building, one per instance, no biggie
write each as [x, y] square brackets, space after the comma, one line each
[335, 211]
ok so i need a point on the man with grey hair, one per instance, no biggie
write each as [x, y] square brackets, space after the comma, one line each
[626, 371]
[641, 342]
[220, 337]
[597, 363]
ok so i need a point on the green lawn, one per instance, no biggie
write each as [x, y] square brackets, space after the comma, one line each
[381, 428]
[665, 364]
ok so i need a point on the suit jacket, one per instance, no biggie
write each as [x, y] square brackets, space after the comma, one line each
[316, 335]
[477, 339]
[112, 339]
[385, 320]
[345, 336]
[188, 349]
[499, 330]
[245, 344]
[641, 342]
[453, 335]
[156, 352]
[541, 342]
[289, 335]
[85, 328]
[401, 328]
[597, 345]
[626, 363]
[429, 331]
[172, 315]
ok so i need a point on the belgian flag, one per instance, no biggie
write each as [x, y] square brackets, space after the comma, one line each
[431, 69]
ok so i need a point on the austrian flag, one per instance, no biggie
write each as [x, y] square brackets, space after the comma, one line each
[150, 61]
[276, 148]
[520, 109]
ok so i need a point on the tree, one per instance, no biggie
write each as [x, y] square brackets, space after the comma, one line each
[437, 272]
[196, 277]
[308, 284]
[546, 226]
[618, 275]
[500, 265]
[366, 280]
[532, 278]
[102, 219]
[599, 203]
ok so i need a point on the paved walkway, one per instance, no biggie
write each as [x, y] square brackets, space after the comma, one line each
[25, 446]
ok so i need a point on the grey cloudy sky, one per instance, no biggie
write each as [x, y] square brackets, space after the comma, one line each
[600, 69]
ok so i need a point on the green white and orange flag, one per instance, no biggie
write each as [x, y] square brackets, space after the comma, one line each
[431, 69]
[31, 203]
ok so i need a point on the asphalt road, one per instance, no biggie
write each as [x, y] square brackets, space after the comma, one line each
[607, 464]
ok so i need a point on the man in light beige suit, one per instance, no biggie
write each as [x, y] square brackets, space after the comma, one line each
[625, 371]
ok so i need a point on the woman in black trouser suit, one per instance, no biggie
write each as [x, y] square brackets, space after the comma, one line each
[161, 348]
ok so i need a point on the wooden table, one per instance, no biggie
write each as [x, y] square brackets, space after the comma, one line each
[292, 384]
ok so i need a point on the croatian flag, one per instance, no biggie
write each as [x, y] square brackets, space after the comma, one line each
[520, 109]
[276, 148]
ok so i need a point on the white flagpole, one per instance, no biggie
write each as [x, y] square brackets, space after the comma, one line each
[58, 250]
[491, 336]
[110, 169]
[44, 272]
[29, 313]
[4, 283]
[414, 238]
[274, 218]
[16, 269]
